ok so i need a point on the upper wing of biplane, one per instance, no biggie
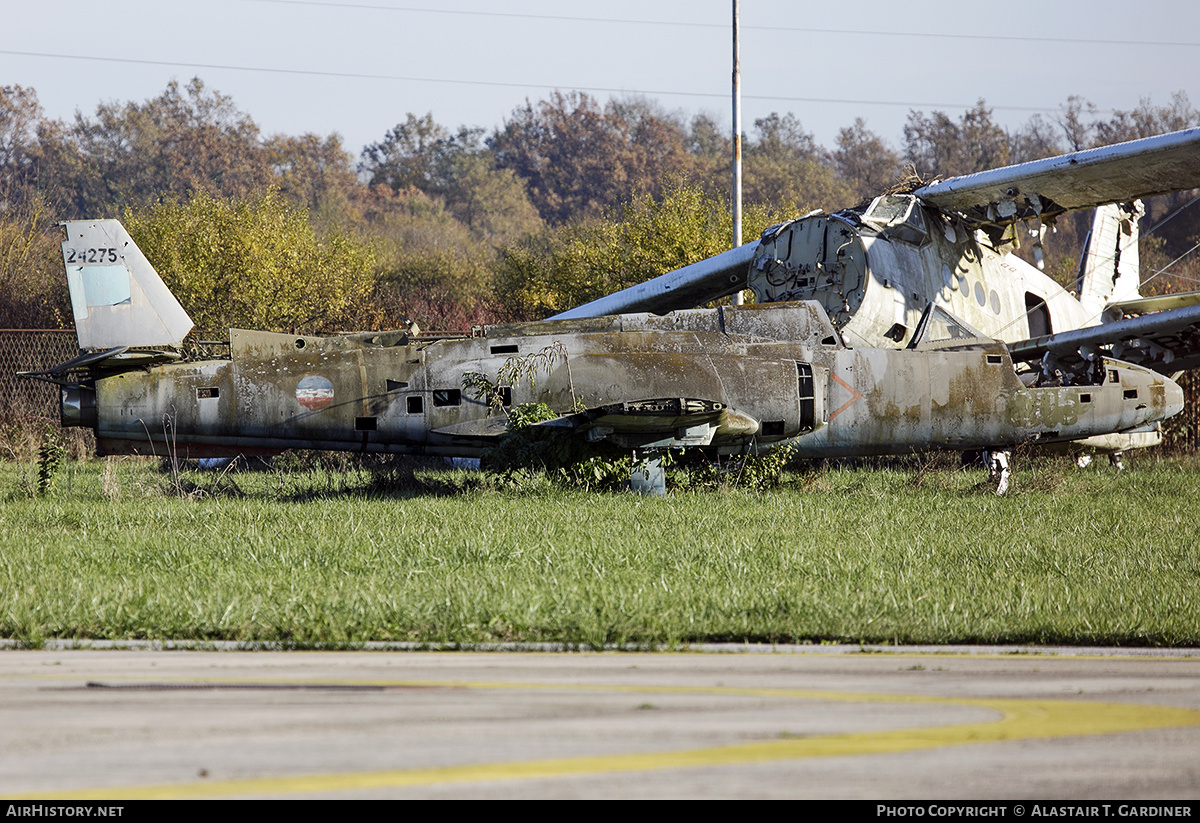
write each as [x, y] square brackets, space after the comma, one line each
[1081, 180]
[1041, 188]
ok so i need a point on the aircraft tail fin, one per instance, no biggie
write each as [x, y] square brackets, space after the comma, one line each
[117, 297]
[1108, 272]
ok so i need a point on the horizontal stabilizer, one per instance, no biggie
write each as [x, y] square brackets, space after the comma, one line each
[117, 297]
[1081, 180]
[119, 358]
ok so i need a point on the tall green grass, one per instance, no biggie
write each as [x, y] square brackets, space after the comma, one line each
[326, 557]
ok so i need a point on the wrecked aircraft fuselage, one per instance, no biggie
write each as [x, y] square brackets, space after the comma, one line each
[726, 379]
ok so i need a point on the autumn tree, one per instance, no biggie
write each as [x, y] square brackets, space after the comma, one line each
[571, 264]
[941, 147]
[491, 202]
[711, 149]
[785, 167]
[414, 154]
[430, 267]
[578, 158]
[1037, 139]
[864, 162]
[33, 287]
[254, 264]
[422, 155]
[1147, 120]
[312, 172]
[183, 141]
[20, 117]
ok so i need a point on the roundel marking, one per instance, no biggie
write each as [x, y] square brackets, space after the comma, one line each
[314, 393]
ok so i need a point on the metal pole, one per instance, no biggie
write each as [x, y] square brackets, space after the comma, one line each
[737, 139]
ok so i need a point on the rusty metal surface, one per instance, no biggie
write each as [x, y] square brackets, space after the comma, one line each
[856, 346]
[876, 267]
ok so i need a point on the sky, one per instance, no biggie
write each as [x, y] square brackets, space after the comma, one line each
[356, 67]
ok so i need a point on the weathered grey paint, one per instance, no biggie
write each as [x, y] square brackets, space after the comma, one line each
[729, 379]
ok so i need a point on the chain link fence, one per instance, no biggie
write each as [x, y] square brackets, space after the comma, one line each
[31, 350]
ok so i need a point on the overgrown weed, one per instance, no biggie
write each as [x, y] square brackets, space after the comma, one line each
[811, 477]
[50, 456]
[696, 471]
[936, 471]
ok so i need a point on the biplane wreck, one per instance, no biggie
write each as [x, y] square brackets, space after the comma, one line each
[900, 326]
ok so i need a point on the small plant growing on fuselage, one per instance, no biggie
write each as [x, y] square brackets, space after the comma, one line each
[513, 371]
[526, 446]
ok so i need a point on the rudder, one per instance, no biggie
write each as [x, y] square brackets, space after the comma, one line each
[117, 297]
[1109, 272]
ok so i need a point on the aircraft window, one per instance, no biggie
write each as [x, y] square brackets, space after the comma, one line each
[1113, 376]
[393, 385]
[941, 329]
[888, 209]
[912, 229]
[896, 332]
[504, 349]
[447, 397]
[364, 424]
[208, 393]
[505, 395]
[772, 428]
[980, 297]
[416, 405]
[1085, 398]
[995, 301]
[1131, 394]
[804, 380]
[900, 215]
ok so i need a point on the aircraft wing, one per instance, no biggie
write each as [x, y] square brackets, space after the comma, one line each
[1166, 341]
[692, 285]
[1083, 179]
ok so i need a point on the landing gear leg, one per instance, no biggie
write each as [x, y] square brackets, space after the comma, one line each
[998, 470]
[647, 475]
[1116, 459]
[1083, 461]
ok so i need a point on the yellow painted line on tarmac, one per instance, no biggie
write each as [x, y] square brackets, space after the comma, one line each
[1017, 720]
